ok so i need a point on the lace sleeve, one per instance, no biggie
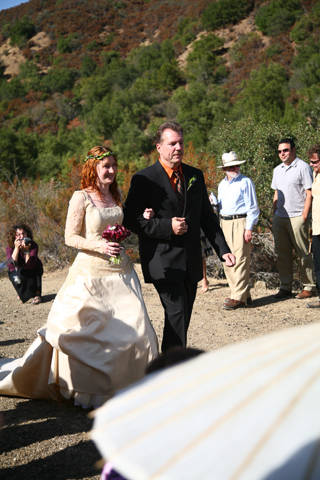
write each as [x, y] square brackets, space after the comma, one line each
[74, 225]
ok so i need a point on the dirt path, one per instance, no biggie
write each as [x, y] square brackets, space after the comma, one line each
[46, 440]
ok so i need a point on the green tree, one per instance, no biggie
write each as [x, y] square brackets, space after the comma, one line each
[277, 16]
[88, 67]
[147, 58]
[60, 79]
[200, 108]
[263, 95]
[224, 12]
[130, 142]
[202, 59]
[18, 152]
[21, 31]
[13, 89]
[63, 45]
[186, 31]
[309, 104]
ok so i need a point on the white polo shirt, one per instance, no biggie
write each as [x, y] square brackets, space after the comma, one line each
[291, 183]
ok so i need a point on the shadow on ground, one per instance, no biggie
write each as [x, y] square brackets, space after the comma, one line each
[38, 425]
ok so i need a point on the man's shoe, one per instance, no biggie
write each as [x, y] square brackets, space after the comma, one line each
[282, 294]
[230, 304]
[314, 304]
[305, 294]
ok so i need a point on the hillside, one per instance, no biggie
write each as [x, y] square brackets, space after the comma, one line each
[63, 62]
[237, 74]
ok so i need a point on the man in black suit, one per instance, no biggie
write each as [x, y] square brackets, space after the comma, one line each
[169, 242]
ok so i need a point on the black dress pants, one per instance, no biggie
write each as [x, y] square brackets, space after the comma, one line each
[30, 281]
[177, 300]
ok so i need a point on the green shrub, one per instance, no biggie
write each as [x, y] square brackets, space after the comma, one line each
[302, 29]
[88, 67]
[278, 16]
[224, 12]
[63, 45]
[273, 50]
[92, 45]
[186, 31]
[21, 31]
[147, 58]
[201, 60]
[60, 79]
[108, 39]
[13, 89]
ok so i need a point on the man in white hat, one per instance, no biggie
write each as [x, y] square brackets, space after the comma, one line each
[239, 212]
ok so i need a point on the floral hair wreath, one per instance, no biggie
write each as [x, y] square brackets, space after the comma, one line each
[100, 157]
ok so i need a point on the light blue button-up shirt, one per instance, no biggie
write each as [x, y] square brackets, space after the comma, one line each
[238, 196]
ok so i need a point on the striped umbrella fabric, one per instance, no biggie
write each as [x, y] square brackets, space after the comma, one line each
[248, 411]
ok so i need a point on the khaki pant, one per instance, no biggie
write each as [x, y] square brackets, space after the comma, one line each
[239, 275]
[292, 233]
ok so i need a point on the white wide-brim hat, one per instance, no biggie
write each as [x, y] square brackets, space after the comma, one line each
[248, 411]
[230, 160]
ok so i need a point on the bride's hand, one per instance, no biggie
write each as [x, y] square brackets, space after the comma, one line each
[148, 213]
[112, 249]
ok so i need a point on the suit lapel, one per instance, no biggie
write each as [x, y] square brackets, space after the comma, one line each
[186, 179]
[164, 181]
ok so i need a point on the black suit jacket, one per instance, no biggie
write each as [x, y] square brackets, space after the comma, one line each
[166, 257]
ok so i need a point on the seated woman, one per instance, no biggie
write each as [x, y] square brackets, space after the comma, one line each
[98, 337]
[25, 270]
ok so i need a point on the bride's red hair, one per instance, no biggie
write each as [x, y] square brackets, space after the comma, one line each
[89, 177]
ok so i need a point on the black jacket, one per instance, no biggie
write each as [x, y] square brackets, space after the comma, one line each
[166, 257]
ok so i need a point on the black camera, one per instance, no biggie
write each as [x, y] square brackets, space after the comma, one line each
[27, 241]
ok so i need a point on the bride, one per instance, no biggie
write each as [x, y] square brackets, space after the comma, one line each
[98, 337]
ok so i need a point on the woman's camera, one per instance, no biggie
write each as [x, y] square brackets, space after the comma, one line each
[27, 241]
[16, 279]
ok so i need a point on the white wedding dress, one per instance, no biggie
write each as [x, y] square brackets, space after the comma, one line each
[98, 337]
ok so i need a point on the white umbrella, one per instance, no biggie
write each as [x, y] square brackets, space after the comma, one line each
[248, 411]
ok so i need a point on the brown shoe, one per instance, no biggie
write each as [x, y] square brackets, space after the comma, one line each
[230, 304]
[314, 304]
[305, 294]
[282, 293]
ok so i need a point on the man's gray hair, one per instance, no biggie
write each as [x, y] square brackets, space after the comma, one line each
[176, 127]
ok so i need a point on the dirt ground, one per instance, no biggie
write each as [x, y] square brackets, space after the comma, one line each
[48, 440]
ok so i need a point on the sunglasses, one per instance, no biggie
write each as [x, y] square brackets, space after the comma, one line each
[313, 162]
[233, 167]
[285, 150]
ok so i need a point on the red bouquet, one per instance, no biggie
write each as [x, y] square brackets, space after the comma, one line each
[116, 233]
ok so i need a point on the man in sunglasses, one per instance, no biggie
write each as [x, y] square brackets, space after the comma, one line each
[239, 212]
[314, 159]
[292, 182]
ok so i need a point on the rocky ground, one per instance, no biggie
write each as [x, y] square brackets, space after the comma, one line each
[48, 440]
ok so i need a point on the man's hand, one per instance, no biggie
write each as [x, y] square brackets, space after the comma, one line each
[247, 236]
[148, 213]
[229, 259]
[179, 226]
